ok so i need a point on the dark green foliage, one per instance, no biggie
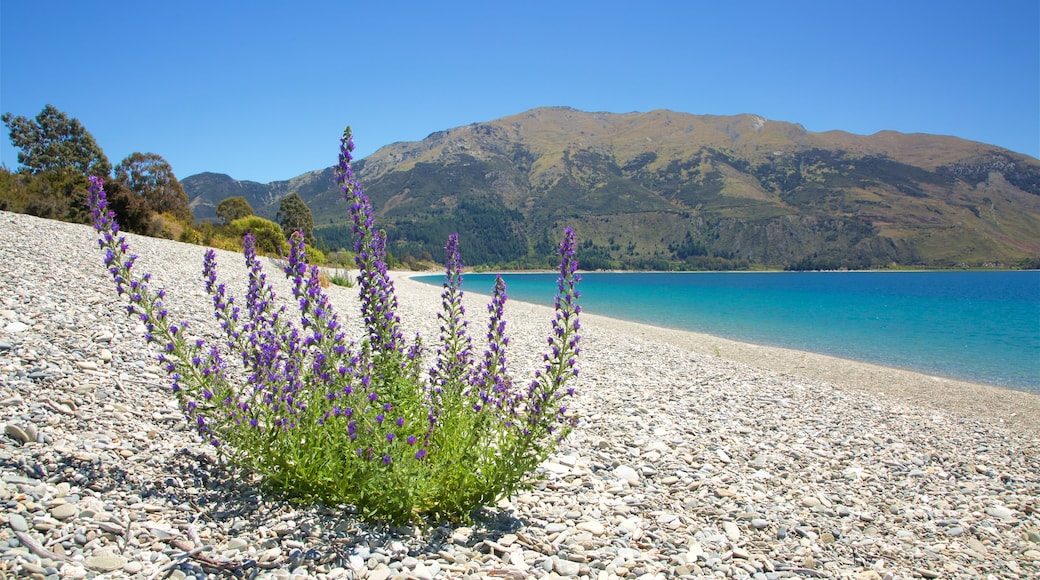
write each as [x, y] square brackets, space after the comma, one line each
[58, 194]
[593, 257]
[295, 216]
[640, 161]
[233, 208]
[150, 177]
[339, 237]
[1025, 177]
[57, 154]
[684, 182]
[689, 247]
[493, 233]
[131, 209]
[55, 142]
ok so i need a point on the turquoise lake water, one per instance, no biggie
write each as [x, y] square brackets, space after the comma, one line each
[976, 326]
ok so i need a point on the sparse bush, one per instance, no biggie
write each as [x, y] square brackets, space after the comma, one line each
[323, 418]
[339, 278]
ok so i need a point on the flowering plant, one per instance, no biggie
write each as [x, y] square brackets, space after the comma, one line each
[322, 418]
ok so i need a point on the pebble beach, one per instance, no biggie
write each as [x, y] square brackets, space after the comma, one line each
[695, 456]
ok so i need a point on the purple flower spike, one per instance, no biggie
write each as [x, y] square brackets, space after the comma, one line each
[454, 355]
[379, 303]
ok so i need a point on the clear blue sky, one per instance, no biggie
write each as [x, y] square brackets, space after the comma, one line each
[261, 90]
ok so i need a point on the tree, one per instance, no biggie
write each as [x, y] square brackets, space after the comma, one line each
[268, 236]
[295, 216]
[233, 208]
[131, 210]
[54, 142]
[56, 154]
[152, 179]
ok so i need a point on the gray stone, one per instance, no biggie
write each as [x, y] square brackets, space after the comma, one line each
[16, 432]
[566, 568]
[106, 563]
[64, 511]
[1001, 512]
[17, 523]
[555, 527]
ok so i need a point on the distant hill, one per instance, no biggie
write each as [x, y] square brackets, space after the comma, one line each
[663, 190]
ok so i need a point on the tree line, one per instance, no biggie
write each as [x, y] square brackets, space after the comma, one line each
[57, 155]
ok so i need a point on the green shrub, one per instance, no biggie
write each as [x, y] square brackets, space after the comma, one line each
[268, 235]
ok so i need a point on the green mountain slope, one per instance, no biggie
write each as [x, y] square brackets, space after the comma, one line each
[666, 190]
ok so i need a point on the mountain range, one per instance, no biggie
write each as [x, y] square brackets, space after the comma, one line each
[667, 190]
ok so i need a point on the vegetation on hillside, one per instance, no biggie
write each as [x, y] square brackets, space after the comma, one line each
[666, 190]
[658, 190]
[57, 155]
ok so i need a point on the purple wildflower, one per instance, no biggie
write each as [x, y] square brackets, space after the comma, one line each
[454, 355]
[378, 301]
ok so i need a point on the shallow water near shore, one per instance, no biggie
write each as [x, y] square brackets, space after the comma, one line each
[976, 326]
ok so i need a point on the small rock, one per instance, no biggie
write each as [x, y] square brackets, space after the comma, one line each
[17, 433]
[555, 527]
[422, 572]
[566, 568]
[1001, 512]
[16, 327]
[626, 473]
[17, 523]
[62, 512]
[594, 528]
[106, 563]
[731, 530]
[556, 468]
[723, 456]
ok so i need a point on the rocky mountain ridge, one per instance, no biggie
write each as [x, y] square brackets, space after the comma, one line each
[667, 190]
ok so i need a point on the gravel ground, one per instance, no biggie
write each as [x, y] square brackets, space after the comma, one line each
[696, 456]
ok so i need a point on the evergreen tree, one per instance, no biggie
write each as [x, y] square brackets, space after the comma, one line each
[57, 154]
[295, 216]
[55, 142]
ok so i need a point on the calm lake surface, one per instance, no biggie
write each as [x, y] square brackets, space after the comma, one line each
[976, 326]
